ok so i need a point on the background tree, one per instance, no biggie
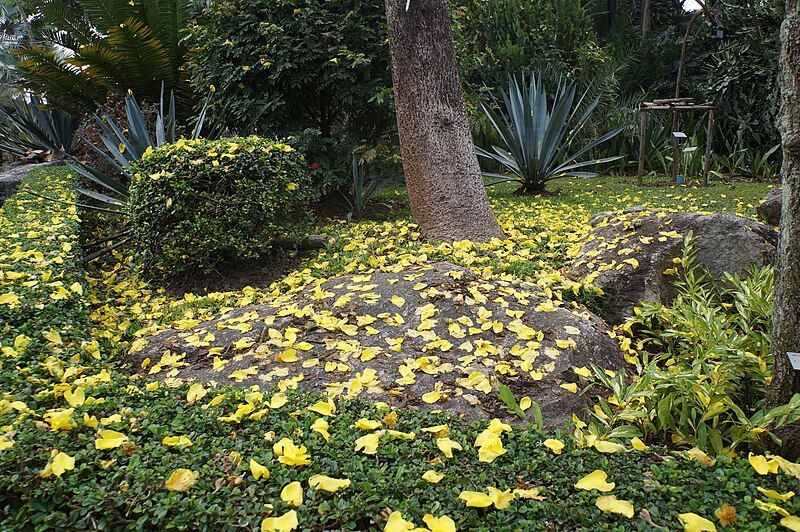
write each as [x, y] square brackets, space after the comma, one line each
[445, 186]
[786, 317]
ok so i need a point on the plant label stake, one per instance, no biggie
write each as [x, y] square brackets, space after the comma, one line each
[794, 359]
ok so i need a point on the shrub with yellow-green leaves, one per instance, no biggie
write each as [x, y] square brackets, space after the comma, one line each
[194, 204]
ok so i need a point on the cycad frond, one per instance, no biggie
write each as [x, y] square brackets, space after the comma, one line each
[143, 57]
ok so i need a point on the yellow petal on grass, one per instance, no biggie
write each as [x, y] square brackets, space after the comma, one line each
[195, 393]
[609, 447]
[258, 470]
[325, 483]
[694, 523]
[396, 523]
[638, 444]
[439, 524]
[76, 398]
[109, 439]
[762, 465]
[476, 499]
[321, 426]
[62, 462]
[292, 494]
[554, 445]
[290, 454]
[609, 503]
[792, 523]
[771, 508]
[323, 408]
[369, 444]
[772, 494]
[532, 493]
[447, 446]
[285, 523]
[367, 424]
[596, 480]
[177, 441]
[501, 499]
[181, 480]
[432, 476]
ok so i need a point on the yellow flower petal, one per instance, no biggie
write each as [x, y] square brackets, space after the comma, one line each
[109, 439]
[596, 480]
[322, 482]
[609, 503]
[285, 523]
[605, 446]
[181, 480]
[554, 445]
[258, 470]
[432, 476]
[476, 499]
[177, 441]
[694, 523]
[292, 494]
[439, 524]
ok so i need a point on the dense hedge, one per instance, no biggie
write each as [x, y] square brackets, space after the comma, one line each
[194, 204]
[59, 398]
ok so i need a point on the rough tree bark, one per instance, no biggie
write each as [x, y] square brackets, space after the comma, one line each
[443, 177]
[786, 317]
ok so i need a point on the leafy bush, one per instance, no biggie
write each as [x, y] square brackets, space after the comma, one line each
[706, 385]
[494, 37]
[539, 137]
[123, 146]
[196, 203]
[280, 68]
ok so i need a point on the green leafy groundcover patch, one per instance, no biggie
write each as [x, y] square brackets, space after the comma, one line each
[83, 446]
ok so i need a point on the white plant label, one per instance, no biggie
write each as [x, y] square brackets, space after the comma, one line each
[794, 359]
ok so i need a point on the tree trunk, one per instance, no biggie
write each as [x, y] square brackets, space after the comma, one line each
[786, 317]
[445, 187]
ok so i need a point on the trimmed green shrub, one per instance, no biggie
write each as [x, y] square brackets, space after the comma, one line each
[194, 204]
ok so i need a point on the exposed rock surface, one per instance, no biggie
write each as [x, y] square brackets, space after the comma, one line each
[769, 209]
[397, 337]
[627, 254]
[12, 175]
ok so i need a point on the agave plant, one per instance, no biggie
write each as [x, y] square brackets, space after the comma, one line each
[25, 124]
[539, 137]
[122, 147]
[362, 191]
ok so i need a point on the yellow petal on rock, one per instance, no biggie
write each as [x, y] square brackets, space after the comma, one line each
[476, 499]
[431, 397]
[109, 439]
[525, 403]
[570, 387]
[609, 503]
[285, 523]
[258, 470]
[181, 480]
[694, 523]
[596, 480]
[432, 476]
[554, 445]
[292, 494]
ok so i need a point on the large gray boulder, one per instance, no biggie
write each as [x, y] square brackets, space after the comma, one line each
[631, 255]
[397, 337]
[769, 209]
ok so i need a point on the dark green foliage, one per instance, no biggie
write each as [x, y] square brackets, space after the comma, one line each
[114, 46]
[28, 125]
[282, 67]
[194, 204]
[495, 37]
[540, 137]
